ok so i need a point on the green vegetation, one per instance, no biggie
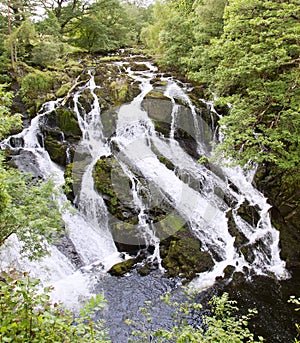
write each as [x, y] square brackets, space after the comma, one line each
[27, 315]
[27, 207]
[296, 301]
[222, 325]
[247, 53]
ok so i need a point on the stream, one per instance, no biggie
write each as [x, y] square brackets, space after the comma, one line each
[155, 139]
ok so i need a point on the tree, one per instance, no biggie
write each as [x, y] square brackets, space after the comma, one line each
[103, 27]
[257, 72]
[64, 10]
[171, 34]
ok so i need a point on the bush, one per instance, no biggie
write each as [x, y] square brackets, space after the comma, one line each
[35, 84]
[46, 53]
[27, 315]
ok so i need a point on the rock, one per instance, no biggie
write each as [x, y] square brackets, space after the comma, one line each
[115, 186]
[146, 269]
[66, 121]
[56, 150]
[159, 109]
[122, 268]
[67, 247]
[26, 162]
[182, 256]
[139, 67]
[240, 238]
[283, 193]
[249, 213]
[109, 121]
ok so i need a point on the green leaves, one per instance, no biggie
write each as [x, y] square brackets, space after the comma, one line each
[27, 315]
[8, 122]
[28, 210]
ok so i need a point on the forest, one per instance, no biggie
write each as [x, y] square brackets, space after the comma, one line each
[242, 55]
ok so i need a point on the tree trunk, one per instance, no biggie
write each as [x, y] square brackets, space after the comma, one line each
[10, 37]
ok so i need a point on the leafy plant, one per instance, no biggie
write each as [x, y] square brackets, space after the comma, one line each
[296, 301]
[28, 210]
[8, 122]
[28, 316]
[35, 84]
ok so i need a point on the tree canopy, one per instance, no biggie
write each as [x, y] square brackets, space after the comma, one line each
[246, 52]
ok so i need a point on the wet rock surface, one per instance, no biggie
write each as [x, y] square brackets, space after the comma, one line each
[284, 196]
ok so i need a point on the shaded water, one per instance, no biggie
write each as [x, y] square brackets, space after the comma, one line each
[203, 195]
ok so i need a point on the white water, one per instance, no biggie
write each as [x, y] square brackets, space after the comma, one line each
[135, 135]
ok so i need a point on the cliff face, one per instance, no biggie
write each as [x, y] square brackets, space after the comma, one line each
[283, 193]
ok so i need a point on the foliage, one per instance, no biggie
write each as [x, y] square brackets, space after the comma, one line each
[22, 39]
[8, 122]
[258, 74]
[36, 83]
[49, 26]
[29, 210]
[103, 28]
[247, 53]
[296, 301]
[47, 52]
[27, 315]
[220, 326]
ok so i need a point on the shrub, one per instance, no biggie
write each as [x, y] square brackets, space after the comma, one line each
[28, 316]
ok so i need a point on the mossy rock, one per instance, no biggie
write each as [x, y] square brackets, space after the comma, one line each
[109, 121]
[63, 90]
[169, 224]
[139, 67]
[127, 236]
[156, 94]
[65, 120]
[86, 100]
[146, 269]
[122, 268]
[249, 213]
[56, 150]
[72, 180]
[182, 256]
[240, 238]
[115, 187]
[123, 91]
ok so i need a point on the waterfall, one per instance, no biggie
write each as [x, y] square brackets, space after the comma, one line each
[204, 207]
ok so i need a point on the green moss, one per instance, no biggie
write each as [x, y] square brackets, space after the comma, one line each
[66, 121]
[162, 127]
[182, 256]
[63, 90]
[122, 268]
[56, 150]
[111, 182]
[111, 58]
[169, 225]
[119, 90]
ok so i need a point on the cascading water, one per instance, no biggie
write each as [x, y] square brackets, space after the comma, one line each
[202, 194]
